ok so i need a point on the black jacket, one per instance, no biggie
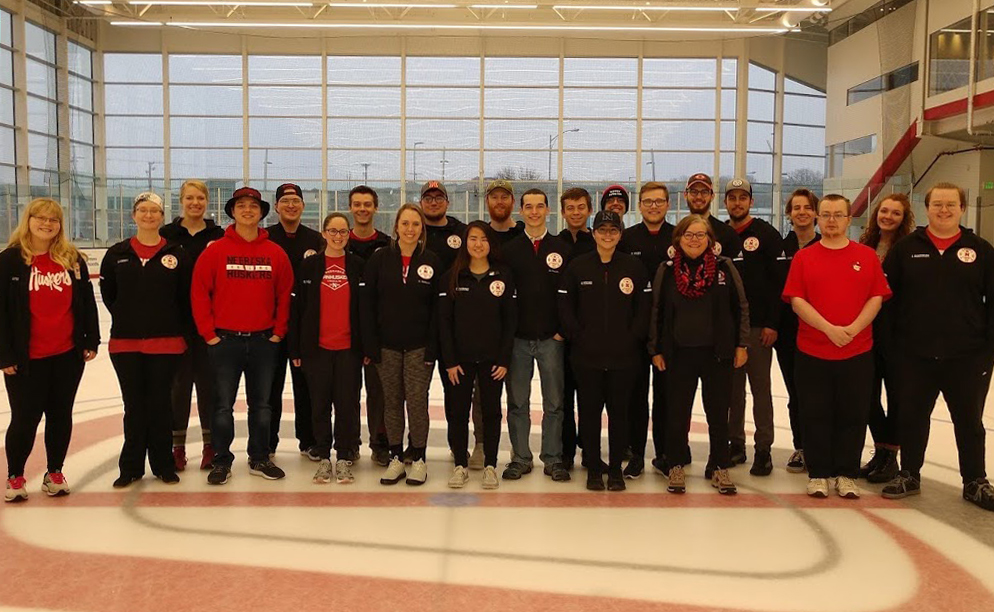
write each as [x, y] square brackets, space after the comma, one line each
[193, 244]
[762, 272]
[584, 242]
[730, 313]
[366, 248]
[400, 316]
[15, 310]
[787, 330]
[604, 310]
[728, 239]
[444, 241]
[650, 249]
[304, 332]
[537, 278]
[303, 243]
[476, 323]
[943, 305]
[151, 300]
[508, 235]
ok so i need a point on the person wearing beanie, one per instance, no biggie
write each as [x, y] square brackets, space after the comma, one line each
[615, 199]
[241, 305]
[145, 284]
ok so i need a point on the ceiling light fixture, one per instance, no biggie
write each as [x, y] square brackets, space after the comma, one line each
[647, 7]
[388, 5]
[92, 2]
[213, 3]
[136, 23]
[789, 9]
[425, 26]
[504, 6]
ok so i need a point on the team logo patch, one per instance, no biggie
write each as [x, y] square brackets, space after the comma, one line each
[856, 266]
[497, 288]
[670, 252]
[554, 260]
[966, 255]
[453, 241]
[626, 285]
[721, 277]
[751, 244]
[309, 252]
[717, 248]
[170, 261]
[426, 272]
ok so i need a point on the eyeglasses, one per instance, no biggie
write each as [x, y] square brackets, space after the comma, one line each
[654, 203]
[43, 220]
[145, 210]
[695, 235]
[337, 232]
[434, 199]
[608, 231]
[944, 205]
[290, 201]
[832, 216]
[699, 192]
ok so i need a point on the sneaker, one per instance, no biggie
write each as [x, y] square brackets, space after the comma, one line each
[903, 485]
[515, 470]
[418, 474]
[490, 480]
[207, 458]
[763, 465]
[736, 455]
[846, 487]
[661, 466]
[219, 475]
[595, 481]
[125, 480]
[343, 471]
[381, 457]
[557, 471]
[408, 456]
[678, 480]
[818, 487]
[616, 479]
[887, 469]
[796, 465]
[55, 485]
[476, 459]
[169, 478]
[395, 472]
[459, 478]
[16, 489]
[179, 458]
[721, 480]
[267, 469]
[634, 469]
[324, 473]
[980, 493]
[310, 454]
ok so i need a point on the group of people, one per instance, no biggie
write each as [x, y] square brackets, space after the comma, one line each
[628, 320]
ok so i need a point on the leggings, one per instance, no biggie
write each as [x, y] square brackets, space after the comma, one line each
[405, 379]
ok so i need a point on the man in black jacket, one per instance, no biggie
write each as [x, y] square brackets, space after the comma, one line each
[444, 232]
[649, 241]
[537, 260]
[500, 204]
[760, 268]
[298, 241]
[604, 308]
[942, 317]
[699, 194]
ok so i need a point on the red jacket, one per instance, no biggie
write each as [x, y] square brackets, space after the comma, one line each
[241, 286]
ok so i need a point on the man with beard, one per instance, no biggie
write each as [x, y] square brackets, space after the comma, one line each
[500, 203]
[699, 194]
[759, 266]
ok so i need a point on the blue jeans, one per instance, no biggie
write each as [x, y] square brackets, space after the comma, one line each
[549, 355]
[254, 355]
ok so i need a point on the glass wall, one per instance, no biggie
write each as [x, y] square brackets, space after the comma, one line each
[82, 182]
[8, 152]
[761, 144]
[43, 111]
[949, 58]
[803, 161]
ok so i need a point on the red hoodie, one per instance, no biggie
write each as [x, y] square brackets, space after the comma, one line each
[241, 286]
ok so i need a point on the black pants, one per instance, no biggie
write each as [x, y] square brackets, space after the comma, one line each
[194, 368]
[45, 387]
[685, 368]
[570, 440]
[638, 418]
[301, 403]
[374, 409]
[836, 400]
[333, 383]
[457, 412]
[786, 357]
[145, 382]
[963, 382]
[884, 425]
[596, 389]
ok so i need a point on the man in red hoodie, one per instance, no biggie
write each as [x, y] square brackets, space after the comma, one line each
[241, 305]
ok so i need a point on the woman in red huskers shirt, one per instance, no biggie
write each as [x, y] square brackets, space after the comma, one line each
[836, 287]
[145, 284]
[48, 329]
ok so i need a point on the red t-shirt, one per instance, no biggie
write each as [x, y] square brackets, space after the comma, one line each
[50, 301]
[335, 330]
[146, 252]
[740, 229]
[837, 283]
[943, 243]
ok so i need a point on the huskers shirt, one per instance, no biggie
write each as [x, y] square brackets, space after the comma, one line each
[336, 328]
[50, 301]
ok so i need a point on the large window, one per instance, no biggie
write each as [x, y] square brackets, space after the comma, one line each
[43, 111]
[949, 58]
[761, 144]
[81, 141]
[8, 159]
[803, 137]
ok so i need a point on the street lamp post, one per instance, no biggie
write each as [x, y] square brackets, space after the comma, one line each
[552, 140]
[443, 162]
[365, 171]
[415, 147]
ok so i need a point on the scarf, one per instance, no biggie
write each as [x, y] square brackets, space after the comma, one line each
[694, 284]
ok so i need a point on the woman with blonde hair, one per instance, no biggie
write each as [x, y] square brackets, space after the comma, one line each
[399, 336]
[48, 330]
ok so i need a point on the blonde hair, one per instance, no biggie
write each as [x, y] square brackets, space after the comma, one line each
[423, 238]
[198, 185]
[61, 250]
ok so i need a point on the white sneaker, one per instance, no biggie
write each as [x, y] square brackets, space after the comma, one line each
[490, 480]
[55, 484]
[476, 459]
[343, 471]
[324, 473]
[395, 472]
[16, 489]
[419, 473]
[459, 478]
[846, 487]
[818, 487]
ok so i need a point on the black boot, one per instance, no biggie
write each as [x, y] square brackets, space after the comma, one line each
[877, 460]
[887, 469]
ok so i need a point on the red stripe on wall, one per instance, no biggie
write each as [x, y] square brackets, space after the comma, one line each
[902, 150]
